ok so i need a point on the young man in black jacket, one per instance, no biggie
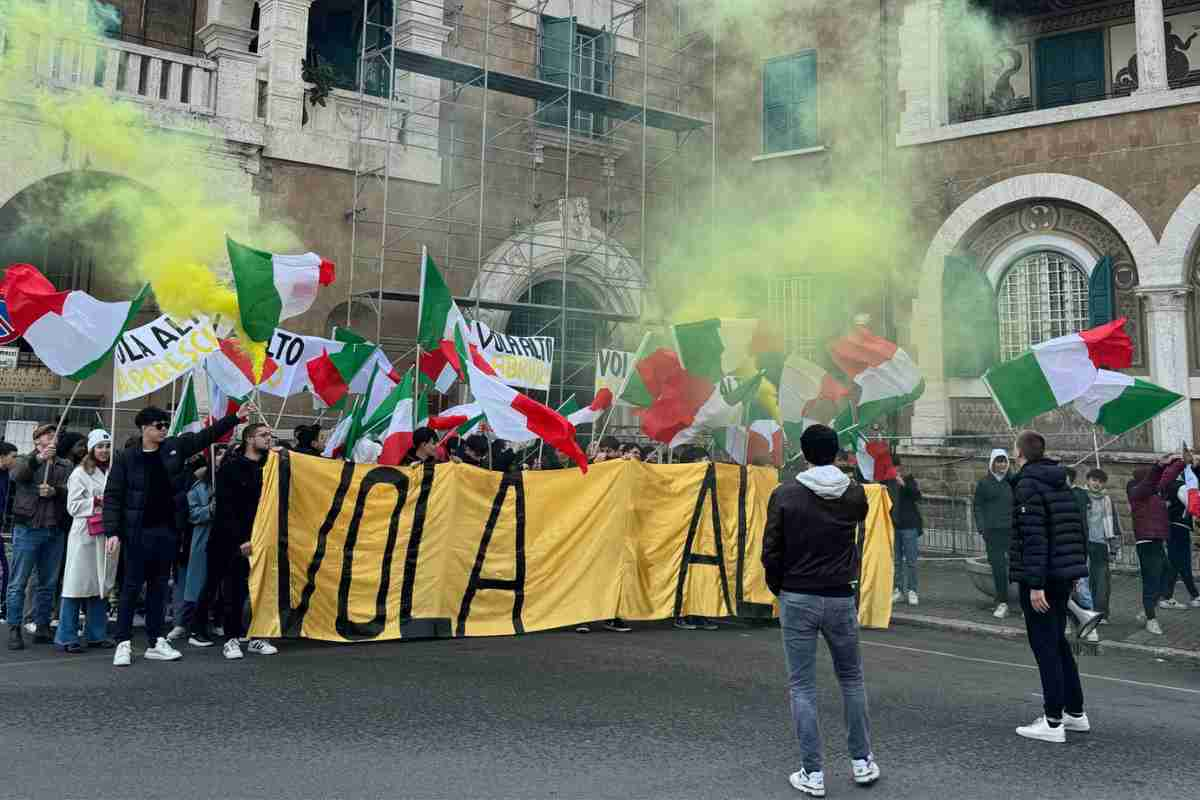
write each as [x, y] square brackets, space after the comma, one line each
[1049, 552]
[811, 559]
[993, 519]
[906, 518]
[145, 509]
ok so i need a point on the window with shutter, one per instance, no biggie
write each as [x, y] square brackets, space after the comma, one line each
[969, 319]
[582, 56]
[790, 103]
[1070, 68]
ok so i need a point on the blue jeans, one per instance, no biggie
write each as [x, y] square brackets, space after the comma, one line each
[40, 549]
[96, 629]
[802, 617]
[906, 559]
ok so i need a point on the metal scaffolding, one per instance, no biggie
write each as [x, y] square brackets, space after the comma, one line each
[520, 129]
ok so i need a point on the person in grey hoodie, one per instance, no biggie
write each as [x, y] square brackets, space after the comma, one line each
[993, 520]
[811, 559]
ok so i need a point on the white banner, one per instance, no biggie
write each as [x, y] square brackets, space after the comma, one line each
[521, 361]
[292, 352]
[150, 357]
[612, 366]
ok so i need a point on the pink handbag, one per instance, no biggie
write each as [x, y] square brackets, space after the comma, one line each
[95, 523]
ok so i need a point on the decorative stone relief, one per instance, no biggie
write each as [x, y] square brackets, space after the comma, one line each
[1064, 429]
[1039, 217]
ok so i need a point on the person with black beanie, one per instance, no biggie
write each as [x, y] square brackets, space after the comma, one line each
[811, 559]
[145, 509]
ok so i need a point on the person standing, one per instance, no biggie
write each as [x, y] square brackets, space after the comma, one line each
[1048, 555]
[1179, 537]
[239, 487]
[193, 575]
[906, 517]
[90, 571]
[1151, 527]
[39, 483]
[811, 559]
[8, 456]
[145, 508]
[994, 521]
[1104, 540]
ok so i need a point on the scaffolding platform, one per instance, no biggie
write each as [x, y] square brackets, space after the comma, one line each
[449, 69]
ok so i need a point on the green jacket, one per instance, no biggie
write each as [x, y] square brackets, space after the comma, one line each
[993, 504]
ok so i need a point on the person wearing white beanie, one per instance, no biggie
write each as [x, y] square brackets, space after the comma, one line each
[89, 572]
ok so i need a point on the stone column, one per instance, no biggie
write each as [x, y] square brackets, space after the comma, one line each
[237, 68]
[282, 40]
[931, 414]
[1151, 46]
[419, 28]
[1166, 321]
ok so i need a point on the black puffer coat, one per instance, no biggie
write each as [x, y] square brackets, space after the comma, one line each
[1049, 534]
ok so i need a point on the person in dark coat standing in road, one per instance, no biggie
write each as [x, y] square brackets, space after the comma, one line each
[145, 509]
[1048, 554]
[811, 558]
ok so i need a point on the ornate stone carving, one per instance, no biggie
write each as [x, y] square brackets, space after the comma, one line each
[1039, 217]
[1064, 429]
[1165, 299]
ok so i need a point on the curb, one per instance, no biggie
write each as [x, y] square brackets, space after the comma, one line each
[1008, 632]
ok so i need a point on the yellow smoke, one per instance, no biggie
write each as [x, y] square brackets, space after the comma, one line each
[160, 221]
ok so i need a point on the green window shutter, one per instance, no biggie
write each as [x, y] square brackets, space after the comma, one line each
[554, 64]
[604, 76]
[970, 325]
[1070, 68]
[1101, 298]
[790, 103]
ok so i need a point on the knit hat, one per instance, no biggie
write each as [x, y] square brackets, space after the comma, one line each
[97, 437]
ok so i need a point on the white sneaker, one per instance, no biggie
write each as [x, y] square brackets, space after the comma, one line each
[1041, 730]
[897, 595]
[1194, 602]
[30, 628]
[1075, 724]
[178, 632]
[218, 630]
[866, 771]
[261, 647]
[1171, 605]
[124, 655]
[232, 650]
[1152, 626]
[1140, 617]
[1001, 611]
[1093, 636]
[912, 598]
[162, 651]
[811, 783]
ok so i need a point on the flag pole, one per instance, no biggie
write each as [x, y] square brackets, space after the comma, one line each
[279, 416]
[113, 431]
[1096, 447]
[58, 428]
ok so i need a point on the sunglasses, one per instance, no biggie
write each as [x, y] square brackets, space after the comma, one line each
[162, 426]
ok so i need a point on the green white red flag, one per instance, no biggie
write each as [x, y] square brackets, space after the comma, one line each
[187, 414]
[439, 318]
[273, 287]
[232, 370]
[887, 377]
[1119, 403]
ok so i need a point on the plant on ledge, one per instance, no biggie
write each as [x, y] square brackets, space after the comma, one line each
[322, 75]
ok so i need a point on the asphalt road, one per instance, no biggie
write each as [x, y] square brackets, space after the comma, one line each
[653, 714]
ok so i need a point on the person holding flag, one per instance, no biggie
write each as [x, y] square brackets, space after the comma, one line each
[145, 508]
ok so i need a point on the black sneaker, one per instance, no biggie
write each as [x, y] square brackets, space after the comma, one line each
[684, 624]
[43, 635]
[15, 641]
[618, 625]
[707, 624]
[200, 640]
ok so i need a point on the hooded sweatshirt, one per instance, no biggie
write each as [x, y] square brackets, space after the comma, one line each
[994, 500]
[809, 543]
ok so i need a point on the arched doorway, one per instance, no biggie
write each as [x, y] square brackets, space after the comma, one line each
[574, 370]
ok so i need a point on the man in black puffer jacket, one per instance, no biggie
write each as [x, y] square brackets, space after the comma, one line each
[145, 508]
[1049, 551]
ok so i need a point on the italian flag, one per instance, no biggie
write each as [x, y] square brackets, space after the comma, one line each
[231, 370]
[714, 348]
[272, 287]
[220, 405]
[761, 441]
[512, 415]
[72, 333]
[634, 390]
[398, 439]
[887, 378]
[1120, 403]
[586, 416]
[874, 459]
[187, 413]
[1057, 371]
[333, 376]
[686, 405]
[335, 445]
[808, 395]
[439, 319]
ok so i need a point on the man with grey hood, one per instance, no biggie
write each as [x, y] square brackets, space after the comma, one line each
[811, 559]
[993, 520]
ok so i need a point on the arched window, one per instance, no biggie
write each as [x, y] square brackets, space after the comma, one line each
[585, 334]
[1043, 295]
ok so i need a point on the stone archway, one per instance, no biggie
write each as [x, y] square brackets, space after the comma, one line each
[931, 416]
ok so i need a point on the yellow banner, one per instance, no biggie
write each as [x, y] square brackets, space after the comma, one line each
[345, 552]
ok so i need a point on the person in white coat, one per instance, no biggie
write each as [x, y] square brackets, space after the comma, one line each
[90, 570]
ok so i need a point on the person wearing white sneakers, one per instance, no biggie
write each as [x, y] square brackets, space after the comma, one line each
[993, 519]
[1151, 528]
[145, 508]
[810, 558]
[1048, 555]
[239, 487]
[906, 517]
